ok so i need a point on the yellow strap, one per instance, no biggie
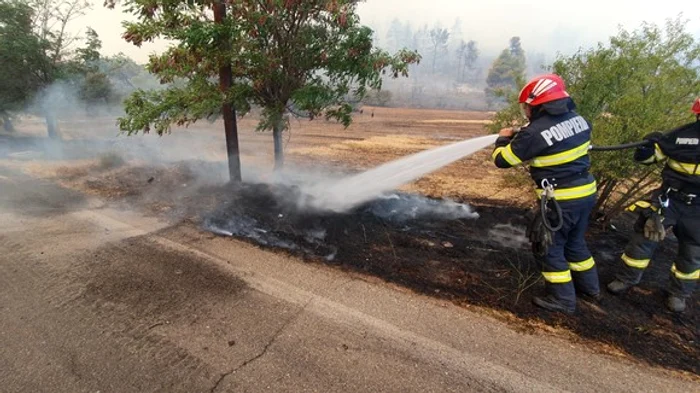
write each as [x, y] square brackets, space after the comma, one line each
[681, 167]
[566, 194]
[561, 158]
[685, 276]
[642, 205]
[658, 153]
[557, 277]
[635, 263]
[510, 157]
[586, 265]
[496, 152]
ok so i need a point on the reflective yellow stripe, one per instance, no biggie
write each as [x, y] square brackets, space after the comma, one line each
[681, 167]
[510, 157]
[496, 152]
[565, 194]
[642, 205]
[635, 263]
[685, 276]
[557, 277]
[561, 158]
[588, 264]
[658, 153]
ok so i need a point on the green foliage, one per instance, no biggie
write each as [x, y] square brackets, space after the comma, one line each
[21, 54]
[96, 87]
[641, 81]
[90, 54]
[507, 69]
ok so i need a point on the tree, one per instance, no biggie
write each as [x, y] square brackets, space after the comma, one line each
[460, 52]
[471, 55]
[507, 68]
[90, 54]
[438, 40]
[407, 37]
[517, 52]
[22, 55]
[639, 82]
[642, 81]
[95, 85]
[456, 34]
[37, 51]
[395, 35]
[50, 24]
[125, 74]
[310, 55]
[380, 98]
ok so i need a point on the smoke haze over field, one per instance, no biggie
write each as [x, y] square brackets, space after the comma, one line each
[545, 26]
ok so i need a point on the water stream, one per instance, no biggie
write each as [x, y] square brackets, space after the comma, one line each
[347, 193]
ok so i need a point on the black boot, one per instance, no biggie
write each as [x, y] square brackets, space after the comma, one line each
[618, 287]
[596, 298]
[552, 304]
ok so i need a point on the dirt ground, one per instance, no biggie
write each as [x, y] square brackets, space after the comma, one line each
[482, 264]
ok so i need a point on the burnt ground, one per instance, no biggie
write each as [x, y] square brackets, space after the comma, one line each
[472, 262]
[468, 263]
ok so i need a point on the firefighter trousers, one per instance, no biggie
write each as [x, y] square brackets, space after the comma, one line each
[569, 265]
[685, 271]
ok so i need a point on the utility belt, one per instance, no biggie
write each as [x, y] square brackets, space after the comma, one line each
[677, 190]
[562, 189]
[686, 198]
[550, 192]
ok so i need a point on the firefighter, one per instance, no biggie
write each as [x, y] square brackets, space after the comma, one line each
[556, 143]
[675, 204]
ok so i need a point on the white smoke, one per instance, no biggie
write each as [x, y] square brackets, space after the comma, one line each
[509, 236]
[404, 207]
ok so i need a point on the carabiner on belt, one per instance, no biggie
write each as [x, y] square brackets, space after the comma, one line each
[547, 189]
[664, 200]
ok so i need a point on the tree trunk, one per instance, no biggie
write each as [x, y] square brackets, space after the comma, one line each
[279, 147]
[52, 126]
[604, 195]
[459, 70]
[228, 110]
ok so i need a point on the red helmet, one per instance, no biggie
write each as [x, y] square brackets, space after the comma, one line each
[696, 107]
[543, 89]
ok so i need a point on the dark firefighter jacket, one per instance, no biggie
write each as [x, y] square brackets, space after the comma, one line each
[555, 144]
[681, 150]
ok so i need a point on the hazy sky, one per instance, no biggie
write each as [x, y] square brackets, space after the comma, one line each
[546, 26]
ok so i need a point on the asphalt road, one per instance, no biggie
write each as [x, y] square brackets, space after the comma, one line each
[94, 299]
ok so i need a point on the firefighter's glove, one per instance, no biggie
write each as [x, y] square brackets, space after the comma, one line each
[540, 237]
[654, 228]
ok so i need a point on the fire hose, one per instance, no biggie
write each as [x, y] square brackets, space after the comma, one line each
[618, 147]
